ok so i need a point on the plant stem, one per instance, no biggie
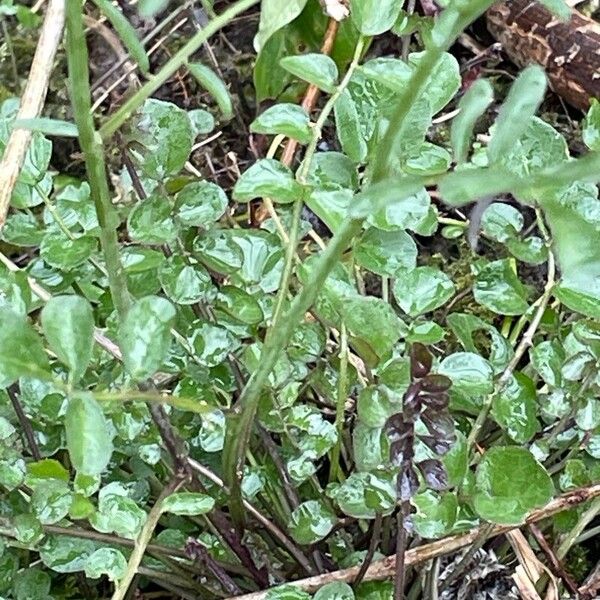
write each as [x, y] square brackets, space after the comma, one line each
[443, 35]
[584, 520]
[238, 434]
[375, 537]
[143, 539]
[400, 570]
[524, 344]
[177, 61]
[91, 144]
[342, 395]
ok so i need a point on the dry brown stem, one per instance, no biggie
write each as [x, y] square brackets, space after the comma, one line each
[385, 568]
[32, 102]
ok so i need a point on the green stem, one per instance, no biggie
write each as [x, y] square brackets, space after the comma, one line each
[142, 541]
[450, 24]
[242, 417]
[525, 342]
[167, 71]
[342, 395]
[301, 176]
[91, 144]
[586, 518]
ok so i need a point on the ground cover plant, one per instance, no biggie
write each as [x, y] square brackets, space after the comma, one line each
[301, 301]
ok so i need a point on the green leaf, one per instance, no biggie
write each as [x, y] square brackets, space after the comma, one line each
[427, 159]
[336, 590]
[290, 120]
[403, 211]
[386, 252]
[470, 373]
[373, 17]
[50, 501]
[89, 438]
[117, 513]
[370, 449]
[200, 204]
[509, 484]
[239, 304]
[287, 592]
[151, 222]
[126, 32]
[456, 460]
[588, 415]
[49, 126]
[531, 250]
[214, 85]
[332, 171]
[444, 80]
[331, 206]
[21, 350]
[471, 106]
[348, 128]
[22, 229]
[64, 253]
[374, 406]
[148, 8]
[547, 359]
[105, 561]
[436, 514]
[145, 336]
[267, 178]
[501, 221]
[498, 288]
[202, 122]
[32, 583]
[422, 290]
[165, 131]
[591, 126]
[373, 326]
[317, 69]
[188, 504]
[65, 554]
[273, 16]
[186, 282]
[311, 522]
[68, 324]
[524, 98]
[514, 408]
[363, 495]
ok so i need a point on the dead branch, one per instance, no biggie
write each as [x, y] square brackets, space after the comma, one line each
[385, 568]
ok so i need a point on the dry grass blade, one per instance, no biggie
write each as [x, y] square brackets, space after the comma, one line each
[32, 101]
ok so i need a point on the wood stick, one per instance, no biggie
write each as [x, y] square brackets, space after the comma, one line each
[569, 52]
[385, 568]
[32, 102]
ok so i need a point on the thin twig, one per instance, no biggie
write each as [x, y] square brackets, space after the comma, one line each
[13, 394]
[555, 563]
[373, 543]
[385, 568]
[524, 344]
[32, 102]
[143, 539]
[401, 558]
[279, 535]
[584, 520]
